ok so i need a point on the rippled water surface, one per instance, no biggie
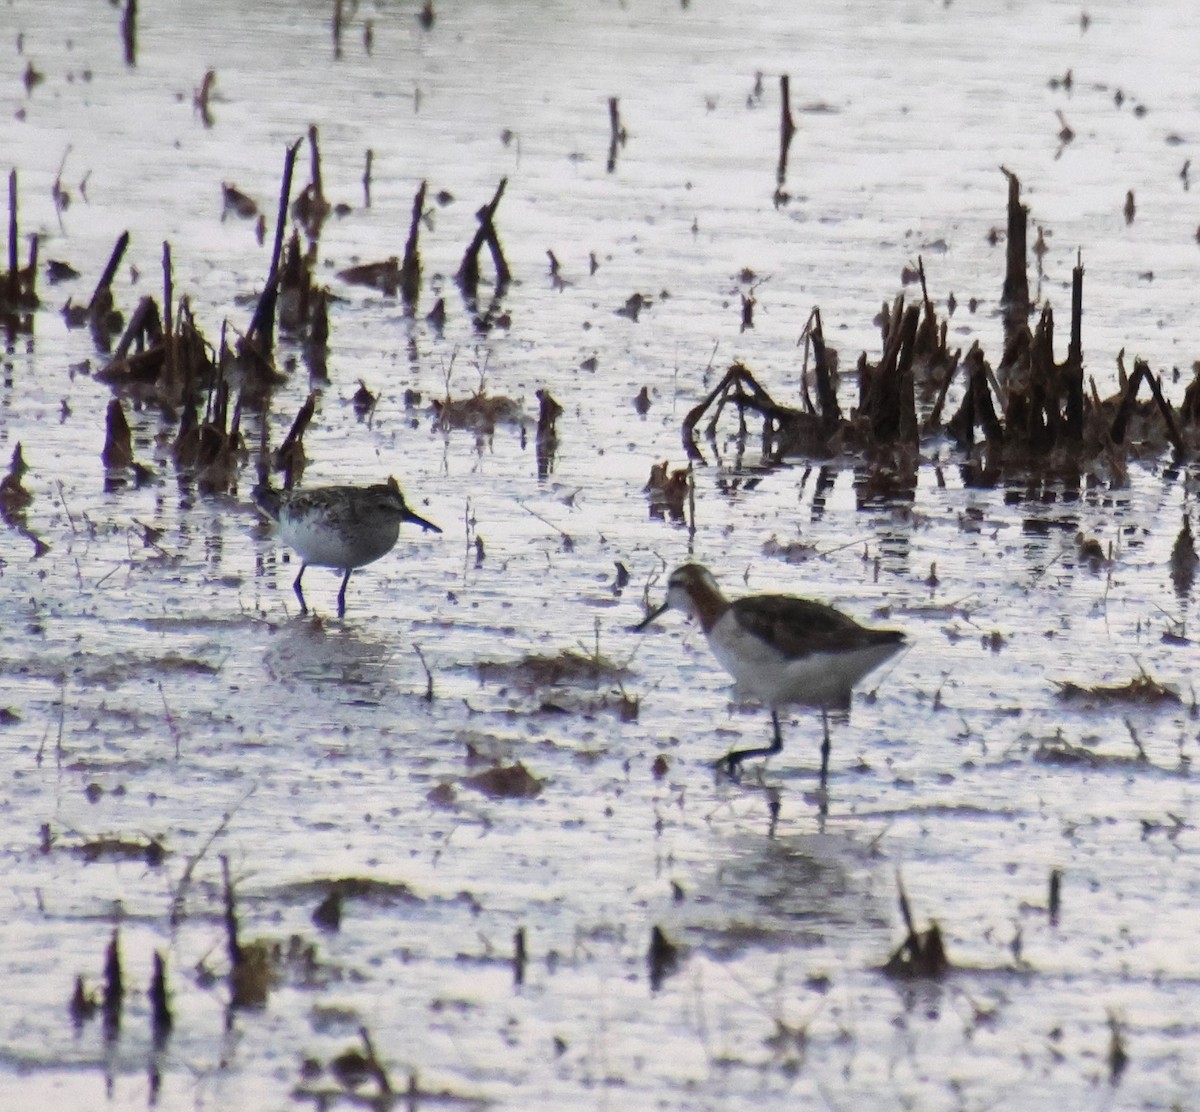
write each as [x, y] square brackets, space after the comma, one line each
[158, 683]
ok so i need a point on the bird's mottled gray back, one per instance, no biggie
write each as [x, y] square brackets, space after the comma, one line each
[797, 627]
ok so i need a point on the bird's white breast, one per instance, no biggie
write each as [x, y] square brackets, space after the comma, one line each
[818, 678]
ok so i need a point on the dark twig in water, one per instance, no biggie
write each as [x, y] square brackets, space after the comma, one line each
[110, 270]
[374, 1065]
[616, 133]
[118, 441]
[1055, 895]
[662, 958]
[410, 269]
[1014, 298]
[185, 878]
[546, 441]
[468, 271]
[261, 332]
[519, 956]
[428, 673]
[129, 32]
[787, 130]
[920, 954]
[1142, 373]
[114, 988]
[161, 1020]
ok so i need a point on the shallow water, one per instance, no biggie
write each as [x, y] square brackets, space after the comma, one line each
[169, 690]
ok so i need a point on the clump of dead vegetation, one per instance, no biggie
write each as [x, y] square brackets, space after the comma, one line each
[922, 954]
[1030, 413]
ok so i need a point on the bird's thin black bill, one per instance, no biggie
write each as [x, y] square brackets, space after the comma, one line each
[417, 519]
[649, 618]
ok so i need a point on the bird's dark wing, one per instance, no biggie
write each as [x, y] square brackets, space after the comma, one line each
[799, 626]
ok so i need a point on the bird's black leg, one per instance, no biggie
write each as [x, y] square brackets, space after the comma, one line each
[824, 747]
[342, 595]
[299, 590]
[731, 762]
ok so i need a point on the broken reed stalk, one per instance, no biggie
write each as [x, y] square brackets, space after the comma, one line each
[232, 947]
[366, 179]
[144, 325]
[1014, 297]
[118, 442]
[31, 271]
[410, 270]
[314, 154]
[168, 323]
[129, 32]
[337, 28]
[787, 128]
[1073, 368]
[616, 136]
[374, 1065]
[468, 271]
[185, 879]
[662, 957]
[830, 411]
[1142, 373]
[262, 325]
[110, 270]
[546, 441]
[161, 1020]
[919, 955]
[519, 956]
[887, 393]
[291, 451]
[114, 988]
[428, 673]
[14, 276]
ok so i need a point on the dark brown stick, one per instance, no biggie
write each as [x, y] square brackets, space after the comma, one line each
[787, 128]
[1164, 407]
[129, 32]
[14, 277]
[1074, 365]
[1014, 296]
[410, 270]
[114, 261]
[262, 324]
[468, 271]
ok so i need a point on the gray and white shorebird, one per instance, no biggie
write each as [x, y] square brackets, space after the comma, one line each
[344, 527]
[779, 648]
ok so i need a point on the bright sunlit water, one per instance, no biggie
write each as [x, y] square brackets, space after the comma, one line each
[170, 690]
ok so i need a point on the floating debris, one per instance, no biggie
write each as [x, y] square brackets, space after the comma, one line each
[1141, 689]
[479, 413]
[505, 782]
[538, 671]
[668, 491]
[633, 306]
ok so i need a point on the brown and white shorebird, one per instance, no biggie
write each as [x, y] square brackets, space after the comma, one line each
[344, 527]
[780, 649]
